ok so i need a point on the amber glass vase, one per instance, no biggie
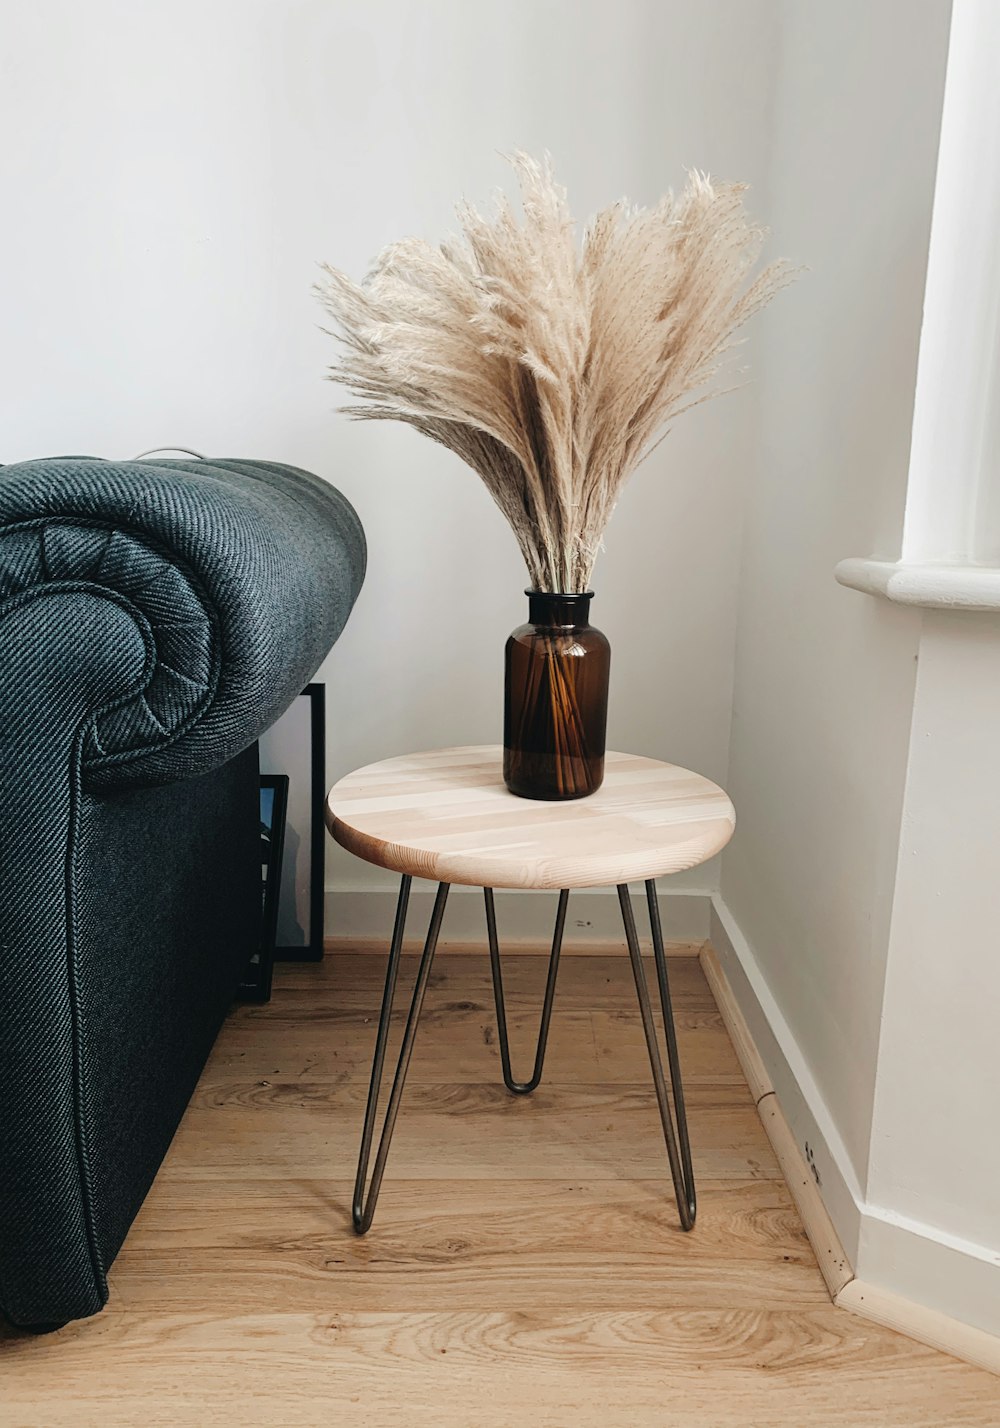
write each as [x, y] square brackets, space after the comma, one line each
[555, 700]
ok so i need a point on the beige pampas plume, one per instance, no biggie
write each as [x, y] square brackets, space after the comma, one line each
[551, 367]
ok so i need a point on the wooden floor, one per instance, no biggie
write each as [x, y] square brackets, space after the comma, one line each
[525, 1266]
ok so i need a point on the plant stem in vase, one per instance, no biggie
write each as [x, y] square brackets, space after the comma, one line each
[556, 672]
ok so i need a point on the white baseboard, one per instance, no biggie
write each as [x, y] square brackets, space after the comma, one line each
[794, 1085]
[365, 914]
[900, 1272]
[833, 1262]
[922, 1264]
[940, 1331]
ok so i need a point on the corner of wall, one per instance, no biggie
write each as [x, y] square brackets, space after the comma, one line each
[793, 1082]
[938, 1288]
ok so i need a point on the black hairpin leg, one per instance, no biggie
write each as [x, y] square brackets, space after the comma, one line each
[363, 1210]
[522, 1088]
[680, 1164]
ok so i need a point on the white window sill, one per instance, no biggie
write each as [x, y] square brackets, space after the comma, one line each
[935, 587]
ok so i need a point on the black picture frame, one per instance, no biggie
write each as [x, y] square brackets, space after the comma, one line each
[296, 747]
[256, 983]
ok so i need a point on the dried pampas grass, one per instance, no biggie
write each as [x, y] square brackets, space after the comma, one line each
[549, 368]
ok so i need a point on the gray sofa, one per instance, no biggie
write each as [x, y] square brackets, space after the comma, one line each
[155, 618]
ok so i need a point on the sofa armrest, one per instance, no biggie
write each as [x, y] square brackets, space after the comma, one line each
[238, 575]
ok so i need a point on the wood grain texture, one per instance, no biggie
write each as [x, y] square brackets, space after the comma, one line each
[589, 983]
[707, 1368]
[446, 815]
[833, 1262]
[526, 1266]
[751, 1062]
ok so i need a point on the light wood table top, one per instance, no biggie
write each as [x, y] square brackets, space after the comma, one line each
[447, 815]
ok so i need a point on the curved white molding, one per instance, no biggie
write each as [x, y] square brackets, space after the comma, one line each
[935, 587]
[952, 507]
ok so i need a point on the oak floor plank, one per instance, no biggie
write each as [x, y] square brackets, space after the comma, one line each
[612, 1133]
[525, 1266]
[457, 1041]
[536, 1243]
[342, 1094]
[585, 982]
[681, 1369]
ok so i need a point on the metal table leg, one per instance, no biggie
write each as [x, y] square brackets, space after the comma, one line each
[673, 1118]
[363, 1209]
[522, 1088]
[681, 1169]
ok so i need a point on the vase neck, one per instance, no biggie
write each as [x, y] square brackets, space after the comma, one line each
[551, 608]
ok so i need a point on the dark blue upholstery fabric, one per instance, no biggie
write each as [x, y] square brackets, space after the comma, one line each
[239, 575]
[174, 871]
[155, 618]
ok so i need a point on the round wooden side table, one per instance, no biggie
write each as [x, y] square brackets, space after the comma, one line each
[446, 815]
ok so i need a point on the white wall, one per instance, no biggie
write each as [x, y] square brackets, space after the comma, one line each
[953, 495]
[824, 678]
[173, 172]
[934, 1207]
[859, 902]
[931, 1230]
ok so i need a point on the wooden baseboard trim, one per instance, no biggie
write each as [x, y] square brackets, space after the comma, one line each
[829, 1252]
[833, 1262]
[940, 1331]
[511, 946]
[739, 1033]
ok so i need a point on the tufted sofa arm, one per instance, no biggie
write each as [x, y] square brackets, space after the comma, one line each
[234, 578]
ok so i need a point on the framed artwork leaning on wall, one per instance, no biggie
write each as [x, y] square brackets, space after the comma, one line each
[296, 747]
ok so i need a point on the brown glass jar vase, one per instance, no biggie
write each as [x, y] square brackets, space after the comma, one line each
[556, 671]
